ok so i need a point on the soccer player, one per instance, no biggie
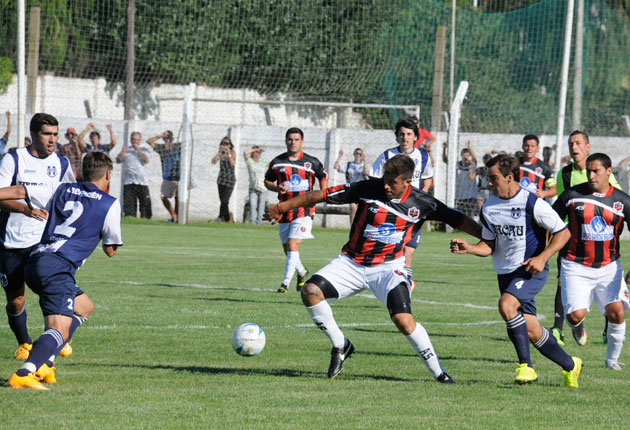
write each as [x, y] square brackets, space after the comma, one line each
[515, 225]
[390, 212]
[406, 132]
[291, 174]
[536, 175]
[570, 176]
[79, 216]
[37, 165]
[591, 268]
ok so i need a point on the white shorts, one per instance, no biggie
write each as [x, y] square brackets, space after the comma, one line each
[169, 188]
[299, 228]
[349, 278]
[581, 285]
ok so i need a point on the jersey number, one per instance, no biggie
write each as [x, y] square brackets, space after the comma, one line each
[64, 229]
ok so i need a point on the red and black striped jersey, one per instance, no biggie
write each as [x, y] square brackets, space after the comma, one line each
[298, 175]
[381, 227]
[536, 175]
[595, 221]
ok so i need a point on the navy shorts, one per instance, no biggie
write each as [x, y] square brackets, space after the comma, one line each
[415, 240]
[12, 262]
[524, 286]
[52, 278]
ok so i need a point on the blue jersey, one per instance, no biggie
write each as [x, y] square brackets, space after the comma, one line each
[79, 216]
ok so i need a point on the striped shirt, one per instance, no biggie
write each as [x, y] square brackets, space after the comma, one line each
[536, 175]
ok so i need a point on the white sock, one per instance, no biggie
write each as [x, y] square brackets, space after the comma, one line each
[616, 337]
[293, 258]
[322, 316]
[421, 343]
[300, 267]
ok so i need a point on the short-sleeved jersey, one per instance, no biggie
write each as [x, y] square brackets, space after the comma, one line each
[569, 176]
[465, 188]
[518, 226]
[79, 216]
[298, 175]
[382, 227]
[170, 160]
[20, 167]
[354, 171]
[424, 168]
[536, 175]
[595, 221]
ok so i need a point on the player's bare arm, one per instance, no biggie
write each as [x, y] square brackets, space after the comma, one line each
[271, 186]
[471, 227]
[483, 248]
[311, 198]
[536, 264]
[8, 197]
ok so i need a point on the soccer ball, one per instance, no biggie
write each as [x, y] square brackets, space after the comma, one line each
[248, 339]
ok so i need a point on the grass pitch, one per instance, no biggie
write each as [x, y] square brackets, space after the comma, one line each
[156, 352]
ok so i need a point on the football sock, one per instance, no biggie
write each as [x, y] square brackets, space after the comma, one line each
[76, 322]
[579, 326]
[558, 318]
[300, 267]
[517, 332]
[17, 323]
[548, 346]
[421, 343]
[616, 336]
[43, 348]
[293, 257]
[322, 316]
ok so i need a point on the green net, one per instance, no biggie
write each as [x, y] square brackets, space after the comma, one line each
[362, 51]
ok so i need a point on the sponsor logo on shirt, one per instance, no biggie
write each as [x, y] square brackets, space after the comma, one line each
[295, 183]
[527, 184]
[384, 233]
[29, 171]
[597, 230]
[509, 231]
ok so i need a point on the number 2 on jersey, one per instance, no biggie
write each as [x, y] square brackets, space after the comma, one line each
[76, 209]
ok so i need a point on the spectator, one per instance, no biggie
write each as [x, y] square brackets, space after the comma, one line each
[465, 186]
[27, 141]
[483, 189]
[355, 170]
[547, 151]
[256, 168]
[226, 179]
[170, 155]
[95, 139]
[5, 138]
[73, 150]
[135, 189]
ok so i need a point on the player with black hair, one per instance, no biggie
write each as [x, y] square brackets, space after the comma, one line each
[390, 212]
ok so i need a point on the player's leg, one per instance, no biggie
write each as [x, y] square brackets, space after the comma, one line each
[546, 343]
[558, 316]
[578, 285]
[83, 307]
[509, 308]
[299, 229]
[340, 278]
[12, 279]
[616, 334]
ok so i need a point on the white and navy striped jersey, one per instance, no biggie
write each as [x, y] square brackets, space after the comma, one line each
[424, 168]
[518, 226]
[20, 167]
[79, 216]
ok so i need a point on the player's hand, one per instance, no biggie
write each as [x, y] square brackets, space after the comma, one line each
[340, 152]
[459, 246]
[273, 213]
[124, 149]
[282, 189]
[38, 214]
[627, 278]
[534, 265]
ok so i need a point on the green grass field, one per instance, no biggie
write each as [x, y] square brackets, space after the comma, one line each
[156, 352]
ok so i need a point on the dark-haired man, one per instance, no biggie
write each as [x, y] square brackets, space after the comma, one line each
[515, 225]
[390, 212]
[170, 154]
[36, 165]
[591, 265]
[291, 174]
[536, 175]
[80, 215]
[406, 132]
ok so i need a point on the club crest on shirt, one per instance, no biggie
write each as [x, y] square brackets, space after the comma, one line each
[307, 165]
[51, 171]
[516, 213]
[413, 212]
[538, 170]
[302, 229]
[618, 206]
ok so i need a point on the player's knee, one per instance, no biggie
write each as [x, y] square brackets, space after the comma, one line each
[316, 289]
[15, 303]
[83, 306]
[576, 317]
[615, 313]
[404, 322]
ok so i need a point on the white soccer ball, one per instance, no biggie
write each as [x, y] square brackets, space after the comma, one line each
[248, 339]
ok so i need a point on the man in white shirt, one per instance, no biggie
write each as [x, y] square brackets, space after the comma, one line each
[21, 224]
[135, 185]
